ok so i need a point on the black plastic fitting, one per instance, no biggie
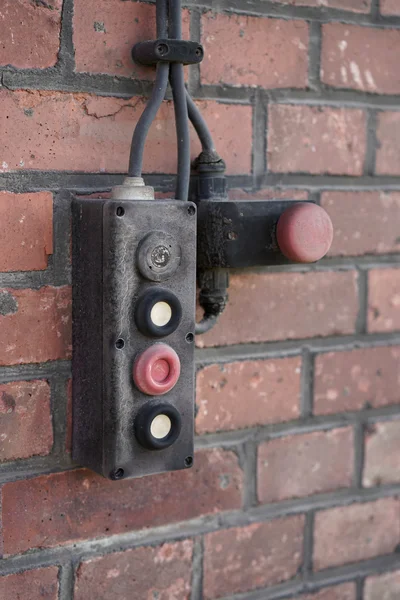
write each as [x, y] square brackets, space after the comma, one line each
[209, 186]
[213, 295]
[168, 51]
[210, 181]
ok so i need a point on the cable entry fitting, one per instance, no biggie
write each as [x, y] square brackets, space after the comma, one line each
[210, 185]
[169, 53]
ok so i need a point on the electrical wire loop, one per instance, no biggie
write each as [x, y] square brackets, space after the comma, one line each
[169, 52]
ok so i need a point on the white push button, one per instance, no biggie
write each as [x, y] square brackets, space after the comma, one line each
[160, 426]
[161, 314]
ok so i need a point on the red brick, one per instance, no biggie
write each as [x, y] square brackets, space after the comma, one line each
[61, 131]
[383, 587]
[384, 300]
[358, 6]
[347, 591]
[382, 454]
[388, 152]
[362, 58]
[27, 236]
[105, 32]
[277, 306]
[35, 325]
[390, 7]
[352, 533]
[38, 584]
[301, 465]
[245, 558]
[363, 222]
[76, 505]
[232, 51]
[267, 194]
[163, 573]
[25, 424]
[271, 389]
[316, 140]
[29, 33]
[234, 144]
[357, 379]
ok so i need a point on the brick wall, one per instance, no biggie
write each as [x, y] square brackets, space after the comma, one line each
[295, 490]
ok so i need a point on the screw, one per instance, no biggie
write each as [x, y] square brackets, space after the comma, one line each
[191, 210]
[162, 49]
[120, 211]
[188, 461]
[199, 51]
[232, 235]
[118, 474]
[189, 338]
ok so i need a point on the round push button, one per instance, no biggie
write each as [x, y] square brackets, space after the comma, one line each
[156, 370]
[304, 232]
[161, 314]
[160, 426]
[158, 312]
[157, 425]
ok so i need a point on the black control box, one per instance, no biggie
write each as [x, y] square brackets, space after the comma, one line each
[134, 288]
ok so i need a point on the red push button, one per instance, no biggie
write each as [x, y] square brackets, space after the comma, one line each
[304, 232]
[157, 370]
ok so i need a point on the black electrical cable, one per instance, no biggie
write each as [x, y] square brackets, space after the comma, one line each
[199, 125]
[206, 323]
[180, 105]
[149, 113]
[184, 108]
[154, 103]
[181, 96]
[161, 18]
[182, 131]
[175, 32]
[157, 96]
[175, 19]
[146, 119]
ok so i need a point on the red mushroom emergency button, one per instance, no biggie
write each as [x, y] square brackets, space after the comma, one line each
[304, 232]
[156, 370]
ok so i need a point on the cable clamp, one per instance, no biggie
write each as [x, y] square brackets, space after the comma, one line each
[167, 51]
